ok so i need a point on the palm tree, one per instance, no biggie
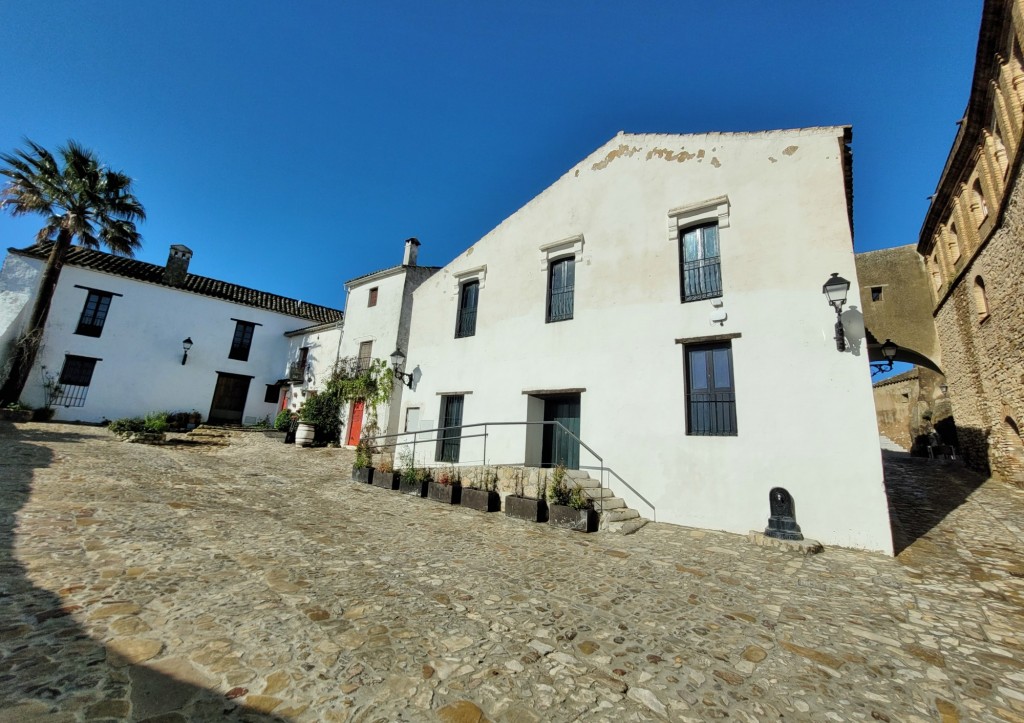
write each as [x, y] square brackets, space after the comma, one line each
[81, 199]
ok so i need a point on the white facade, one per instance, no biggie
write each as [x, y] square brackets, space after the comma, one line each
[138, 353]
[804, 412]
[378, 310]
[312, 352]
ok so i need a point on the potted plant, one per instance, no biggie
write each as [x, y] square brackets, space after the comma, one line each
[569, 506]
[533, 509]
[361, 470]
[414, 481]
[16, 412]
[446, 488]
[482, 493]
[384, 475]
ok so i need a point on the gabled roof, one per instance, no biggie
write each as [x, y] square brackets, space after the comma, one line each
[129, 268]
[388, 271]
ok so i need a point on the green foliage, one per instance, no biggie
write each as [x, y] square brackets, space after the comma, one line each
[17, 407]
[363, 457]
[283, 420]
[262, 423]
[415, 476]
[128, 425]
[560, 492]
[346, 383]
[157, 422]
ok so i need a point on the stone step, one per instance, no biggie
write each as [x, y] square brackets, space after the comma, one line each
[618, 515]
[626, 527]
[587, 483]
[609, 503]
[598, 492]
[577, 474]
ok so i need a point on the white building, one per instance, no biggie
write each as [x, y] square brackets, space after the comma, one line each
[312, 352]
[378, 310]
[663, 299]
[113, 342]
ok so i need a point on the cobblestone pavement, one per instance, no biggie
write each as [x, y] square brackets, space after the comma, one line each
[238, 578]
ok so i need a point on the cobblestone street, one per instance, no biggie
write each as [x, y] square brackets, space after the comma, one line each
[232, 577]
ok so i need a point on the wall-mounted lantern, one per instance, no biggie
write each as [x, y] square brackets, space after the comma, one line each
[397, 364]
[186, 345]
[835, 290]
[889, 350]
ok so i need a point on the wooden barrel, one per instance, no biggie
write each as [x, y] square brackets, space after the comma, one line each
[304, 434]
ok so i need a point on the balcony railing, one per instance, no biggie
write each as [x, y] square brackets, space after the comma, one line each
[702, 279]
[296, 372]
[560, 305]
[467, 323]
[713, 414]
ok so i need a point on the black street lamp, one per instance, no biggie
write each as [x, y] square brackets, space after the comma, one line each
[186, 345]
[397, 363]
[889, 350]
[835, 290]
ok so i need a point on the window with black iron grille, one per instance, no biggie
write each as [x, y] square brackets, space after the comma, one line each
[365, 358]
[242, 341]
[450, 437]
[469, 294]
[710, 391]
[73, 382]
[561, 282]
[94, 313]
[700, 268]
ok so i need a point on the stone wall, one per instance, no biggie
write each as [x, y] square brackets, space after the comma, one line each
[982, 351]
[910, 406]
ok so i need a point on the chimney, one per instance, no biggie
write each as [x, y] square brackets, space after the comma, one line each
[177, 265]
[412, 249]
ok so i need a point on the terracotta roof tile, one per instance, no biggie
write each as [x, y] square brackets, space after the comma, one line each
[151, 273]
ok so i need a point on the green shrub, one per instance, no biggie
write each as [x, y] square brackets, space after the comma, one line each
[283, 420]
[128, 425]
[156, 422]
[363, 457]
[561, 493]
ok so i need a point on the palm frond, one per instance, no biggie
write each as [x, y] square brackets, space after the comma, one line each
[121, 237]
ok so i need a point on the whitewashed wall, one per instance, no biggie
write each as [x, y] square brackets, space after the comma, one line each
[324, 344]
[805, 414]
[141, 348]
[385, 324]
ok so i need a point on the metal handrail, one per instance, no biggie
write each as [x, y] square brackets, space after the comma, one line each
[603, 468]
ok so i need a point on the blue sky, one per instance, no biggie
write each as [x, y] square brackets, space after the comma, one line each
[295, 145]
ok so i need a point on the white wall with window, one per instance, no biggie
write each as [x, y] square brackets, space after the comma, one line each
[112, 347]
[699, 363]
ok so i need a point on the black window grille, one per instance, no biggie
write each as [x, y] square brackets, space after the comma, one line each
[700, 268]
[450, 439]
[561, 283]
[710, 390]
[242, 341]
[94, 313]
[468, 299]
[73, 382]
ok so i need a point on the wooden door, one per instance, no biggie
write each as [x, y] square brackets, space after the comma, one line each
[229, 398]
[559, 447]
[355, 425]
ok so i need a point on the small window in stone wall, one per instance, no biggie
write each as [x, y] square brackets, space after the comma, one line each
[953, 244]
[978, 205]
[933, 264]
[876, 293]
[980, 299]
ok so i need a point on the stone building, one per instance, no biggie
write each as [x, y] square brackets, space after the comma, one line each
[910, 407]
[971, 245]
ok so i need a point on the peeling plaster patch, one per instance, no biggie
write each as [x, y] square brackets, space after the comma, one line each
[789, 150]
[469, 251]
[773, 160]
[622, 150]
[577, 174]
[715, 162]
[666, 154]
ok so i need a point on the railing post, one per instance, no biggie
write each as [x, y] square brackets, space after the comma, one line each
[485, 445]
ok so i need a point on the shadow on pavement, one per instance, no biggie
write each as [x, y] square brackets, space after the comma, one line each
[922, 492]
[48, 663]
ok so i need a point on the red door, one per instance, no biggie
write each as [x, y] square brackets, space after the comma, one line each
[356, 424]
